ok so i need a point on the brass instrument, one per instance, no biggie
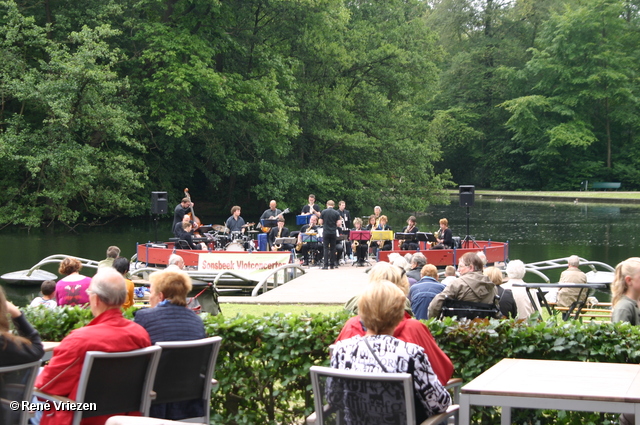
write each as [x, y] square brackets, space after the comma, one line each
[355, 245]
[437, 236]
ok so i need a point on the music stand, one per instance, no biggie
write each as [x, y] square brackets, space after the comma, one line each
[302, 219]
[269, 222]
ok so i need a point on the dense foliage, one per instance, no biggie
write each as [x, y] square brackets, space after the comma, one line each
[383, 102]
[263, 365]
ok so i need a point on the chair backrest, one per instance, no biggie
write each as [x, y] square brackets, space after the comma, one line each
[357, 398]
[117, 382]
[16, 384]
[470, 310]
[185, 371]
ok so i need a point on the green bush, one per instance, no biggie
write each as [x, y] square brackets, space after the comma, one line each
[263, 365]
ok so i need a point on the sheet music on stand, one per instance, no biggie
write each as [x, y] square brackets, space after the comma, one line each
[382, 235]
[426, 237]
[280, 241]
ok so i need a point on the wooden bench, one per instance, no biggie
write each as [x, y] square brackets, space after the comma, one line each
[603, 314]
[584, 185]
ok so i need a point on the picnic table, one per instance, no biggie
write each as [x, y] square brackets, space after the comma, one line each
[551, 384]
[577, 306]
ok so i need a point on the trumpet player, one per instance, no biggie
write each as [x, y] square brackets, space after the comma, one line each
[279, 232]
[410, 228]
[360, 248]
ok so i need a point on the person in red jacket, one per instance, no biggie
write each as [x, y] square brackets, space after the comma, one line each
[108, 331]
[408, 330]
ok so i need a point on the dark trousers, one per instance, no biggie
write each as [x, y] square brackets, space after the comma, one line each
[329, 244]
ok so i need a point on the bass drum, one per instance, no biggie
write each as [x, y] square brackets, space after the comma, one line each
[234, 246]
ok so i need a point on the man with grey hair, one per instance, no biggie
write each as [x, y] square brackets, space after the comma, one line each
[176, 262]
[471, 286]
[516, 272]
[112, 253]
[109, 331]
[567, 296]
[417, 263]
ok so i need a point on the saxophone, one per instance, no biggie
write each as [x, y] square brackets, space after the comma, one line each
[278, 246]
[437, 236]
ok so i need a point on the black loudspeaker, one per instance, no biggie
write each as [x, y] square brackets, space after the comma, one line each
[159, 203]
[467, 195]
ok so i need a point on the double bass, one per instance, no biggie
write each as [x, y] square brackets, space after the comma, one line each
[192, 215]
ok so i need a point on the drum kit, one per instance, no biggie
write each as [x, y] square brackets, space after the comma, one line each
[223, 240]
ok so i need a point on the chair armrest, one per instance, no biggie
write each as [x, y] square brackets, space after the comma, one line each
[436, 419]
[312, 418]
[454, 384]
[51, 397]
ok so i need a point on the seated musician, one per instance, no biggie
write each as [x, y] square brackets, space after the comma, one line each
[340, 245]
[279, 232]
[359, 247]
[177, 229]
[382, 225]
[445, 239]
[311, 207]
[305, 247]
[410, 228]
[186, 235]
[235, 223]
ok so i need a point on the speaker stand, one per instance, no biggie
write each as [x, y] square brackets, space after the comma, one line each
[468, 241]
[155, 220]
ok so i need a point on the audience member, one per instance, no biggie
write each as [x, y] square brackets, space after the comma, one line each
[72, 289]
[625, 292]
[421, 294]
[409, 330]
[508, 306]
[515, 272]
[449, 275]
[567, 296]
[384, 271]
[471, 286]
[108, 331]
[48, 288]
[176, 262]
[25, 347]
[170, 320]
[121, 264]
[381, 308]
[417, 263]
[112, 253]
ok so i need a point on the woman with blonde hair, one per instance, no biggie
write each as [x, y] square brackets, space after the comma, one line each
[508, 306]
[408, 330]
[625, 291]
[381, 306]
[72, 289]
[17, 349]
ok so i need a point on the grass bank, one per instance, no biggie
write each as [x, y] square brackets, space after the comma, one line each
[231, 310]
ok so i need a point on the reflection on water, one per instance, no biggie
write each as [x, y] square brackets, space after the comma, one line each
[535, 230]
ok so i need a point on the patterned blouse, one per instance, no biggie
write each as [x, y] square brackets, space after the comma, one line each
[397, 357]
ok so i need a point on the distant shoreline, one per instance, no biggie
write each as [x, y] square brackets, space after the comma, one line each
[575, 197]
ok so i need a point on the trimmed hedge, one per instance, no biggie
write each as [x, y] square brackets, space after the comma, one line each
[263, 365]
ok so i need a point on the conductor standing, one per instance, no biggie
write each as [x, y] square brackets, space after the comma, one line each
[330, 219]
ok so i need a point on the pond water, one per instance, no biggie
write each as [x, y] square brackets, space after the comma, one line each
[535, 230]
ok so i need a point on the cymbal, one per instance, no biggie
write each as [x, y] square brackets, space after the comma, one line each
[218, 227]
[253, 231]
[247, 225]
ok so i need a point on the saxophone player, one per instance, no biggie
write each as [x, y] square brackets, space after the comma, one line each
[410, 228]
[306, 247]
[360, 248]
[279, 232]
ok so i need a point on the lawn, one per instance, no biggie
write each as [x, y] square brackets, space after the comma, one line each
[231, 310]
[559, 194]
